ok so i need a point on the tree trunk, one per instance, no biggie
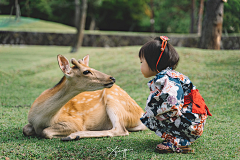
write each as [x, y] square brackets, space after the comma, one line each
[27, 7]
[77, 13]
[212, 25]
[152, 21]
[93, 23]
[80, 27]
[192, 16]
[18, 12]
[200, 14]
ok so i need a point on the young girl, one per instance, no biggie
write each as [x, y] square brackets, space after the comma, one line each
[175, 110]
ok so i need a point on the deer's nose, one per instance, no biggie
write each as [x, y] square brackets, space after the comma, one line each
[113, 79]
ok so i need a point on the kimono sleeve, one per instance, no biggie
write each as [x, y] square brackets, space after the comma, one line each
[167, 96]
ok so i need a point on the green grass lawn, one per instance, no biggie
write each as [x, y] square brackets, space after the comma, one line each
[27, 24]
[26, 71]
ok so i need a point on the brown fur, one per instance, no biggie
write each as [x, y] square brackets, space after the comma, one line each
[61, 111]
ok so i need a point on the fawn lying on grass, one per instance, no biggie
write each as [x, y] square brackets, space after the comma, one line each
[76, 108]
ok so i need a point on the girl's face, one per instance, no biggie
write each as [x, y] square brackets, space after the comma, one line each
[146, 71]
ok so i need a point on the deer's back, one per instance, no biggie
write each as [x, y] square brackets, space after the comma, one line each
[88, 109]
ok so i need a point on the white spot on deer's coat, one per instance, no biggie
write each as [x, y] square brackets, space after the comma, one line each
[110, 97]
[74, 99]
[89, 100]
[96, 106]
[79, 102]
[134, 104]
[97, 96]
[123, 102]
[72, 111]
[80, 114]
[116, 89]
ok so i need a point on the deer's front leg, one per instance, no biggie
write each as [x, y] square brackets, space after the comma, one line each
[58, 130]
[117, 130]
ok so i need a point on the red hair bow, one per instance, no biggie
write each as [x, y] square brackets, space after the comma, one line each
[164, 43]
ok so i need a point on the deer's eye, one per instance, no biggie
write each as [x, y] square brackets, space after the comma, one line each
[86, 72]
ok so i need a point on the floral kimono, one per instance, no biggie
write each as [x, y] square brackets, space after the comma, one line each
[175, 110]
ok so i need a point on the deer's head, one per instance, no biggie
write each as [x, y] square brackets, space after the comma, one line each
[82, 77]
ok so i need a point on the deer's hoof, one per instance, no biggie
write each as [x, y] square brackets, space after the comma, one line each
[66, 139]
[77, 138]
[70, 139]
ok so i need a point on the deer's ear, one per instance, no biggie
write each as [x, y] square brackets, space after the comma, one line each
[85, 60]
[64, 65]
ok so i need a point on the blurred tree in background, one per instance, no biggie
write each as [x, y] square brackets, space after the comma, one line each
[231, 21]
[93, 16]
[121, 15]
[212, 25]
[80, 19]
[171, 16]
[124, 15]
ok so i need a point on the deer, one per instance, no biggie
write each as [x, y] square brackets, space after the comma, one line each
[85, 103]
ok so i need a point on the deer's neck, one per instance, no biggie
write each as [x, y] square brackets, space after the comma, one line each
[47, 105]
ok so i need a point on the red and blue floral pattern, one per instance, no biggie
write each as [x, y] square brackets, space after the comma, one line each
[166, 113]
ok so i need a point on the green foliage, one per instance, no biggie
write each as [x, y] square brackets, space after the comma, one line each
[124, 15]
[172, 16]
[121, 15]
[38, 7]
[58, 11]
[231, 22]
[4, 2]
[26, 71]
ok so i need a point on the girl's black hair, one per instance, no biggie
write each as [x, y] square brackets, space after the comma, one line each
[151, 52]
